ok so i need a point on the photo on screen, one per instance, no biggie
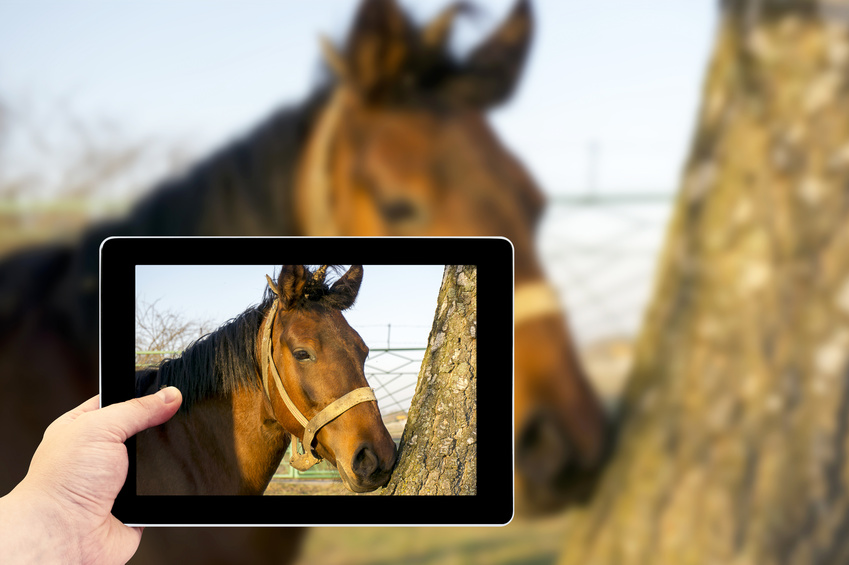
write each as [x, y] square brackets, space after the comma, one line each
[354, 384]
[200, 328]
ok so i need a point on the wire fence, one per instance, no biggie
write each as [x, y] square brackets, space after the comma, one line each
[600, 251]
[393, 373]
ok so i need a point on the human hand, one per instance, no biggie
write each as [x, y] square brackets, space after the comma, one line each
[61, 511]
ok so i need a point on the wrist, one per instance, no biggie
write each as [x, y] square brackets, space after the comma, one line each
[31, 531]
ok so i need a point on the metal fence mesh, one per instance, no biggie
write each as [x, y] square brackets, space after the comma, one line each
[600, 251]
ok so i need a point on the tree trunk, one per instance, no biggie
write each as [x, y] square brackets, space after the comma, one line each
[733, 446]
[438, 453]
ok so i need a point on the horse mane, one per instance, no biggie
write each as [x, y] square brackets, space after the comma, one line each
[225, 359]
[243, 189]
[216, 364]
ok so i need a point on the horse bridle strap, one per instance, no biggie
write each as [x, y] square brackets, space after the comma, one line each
[317, 210]
[333, 411]
[307, 459]
[535, 300]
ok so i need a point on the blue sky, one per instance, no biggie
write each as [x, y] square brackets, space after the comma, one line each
[404, 296]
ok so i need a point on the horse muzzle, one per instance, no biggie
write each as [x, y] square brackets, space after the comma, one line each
[552, 472]
[366, 470]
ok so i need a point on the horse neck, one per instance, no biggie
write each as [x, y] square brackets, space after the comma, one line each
[260, 439]
[229, 445]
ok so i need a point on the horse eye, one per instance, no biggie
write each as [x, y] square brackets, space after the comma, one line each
[399, 211]
[301, 355]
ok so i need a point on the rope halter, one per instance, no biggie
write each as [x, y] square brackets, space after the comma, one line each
[306, 459]
[535, 300]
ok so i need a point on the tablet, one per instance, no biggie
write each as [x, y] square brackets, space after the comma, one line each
[210, 465]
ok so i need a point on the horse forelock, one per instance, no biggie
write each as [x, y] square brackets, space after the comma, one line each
[421, 62]
[318, 292]
[392, 61]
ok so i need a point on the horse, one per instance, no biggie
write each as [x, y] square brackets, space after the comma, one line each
[402, 147]
[240, 411]
[394, 141]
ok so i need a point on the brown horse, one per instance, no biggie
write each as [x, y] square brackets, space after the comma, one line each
[402, 147]
[235, 422]
[396, 142]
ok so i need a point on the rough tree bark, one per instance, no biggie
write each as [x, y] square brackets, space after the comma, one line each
[438, 452]
[734, 438]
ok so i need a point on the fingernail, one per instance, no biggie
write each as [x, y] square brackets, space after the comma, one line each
[169, 394]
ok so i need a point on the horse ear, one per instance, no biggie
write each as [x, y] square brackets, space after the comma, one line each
[290, 284]
[344, 291]
[379, 43]
[333, 59]
[434, 36]
[273, 286]
[492, 70]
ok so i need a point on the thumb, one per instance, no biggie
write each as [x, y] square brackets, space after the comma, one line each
[130, 417]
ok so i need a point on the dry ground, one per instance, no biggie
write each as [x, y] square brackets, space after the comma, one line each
[310, 487]
[522, 542]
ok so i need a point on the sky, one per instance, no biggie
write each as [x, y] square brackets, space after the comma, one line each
[404, 296]
[606, 104]
[616, 78]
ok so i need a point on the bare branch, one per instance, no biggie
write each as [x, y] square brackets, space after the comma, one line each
[164, 330]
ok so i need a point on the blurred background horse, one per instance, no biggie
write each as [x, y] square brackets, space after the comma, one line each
[395, 141]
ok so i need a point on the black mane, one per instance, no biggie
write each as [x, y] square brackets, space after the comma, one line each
[215, 364]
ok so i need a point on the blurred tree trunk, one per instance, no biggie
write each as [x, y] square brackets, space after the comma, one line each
[733, 447]
[438, 453]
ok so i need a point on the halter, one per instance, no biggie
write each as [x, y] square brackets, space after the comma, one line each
[534, 300]
[316, 210]
[303, 461]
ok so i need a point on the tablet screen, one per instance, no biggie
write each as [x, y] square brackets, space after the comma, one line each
[276, 347]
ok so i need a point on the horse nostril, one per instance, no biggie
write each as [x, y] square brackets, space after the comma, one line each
[365, 462]
[543, 450]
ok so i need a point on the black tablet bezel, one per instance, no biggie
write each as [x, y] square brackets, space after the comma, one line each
[494, 502]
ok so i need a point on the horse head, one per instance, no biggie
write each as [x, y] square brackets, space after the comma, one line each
[314, 377]
[403, 147]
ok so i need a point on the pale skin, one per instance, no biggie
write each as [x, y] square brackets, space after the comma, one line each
[61, 511]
